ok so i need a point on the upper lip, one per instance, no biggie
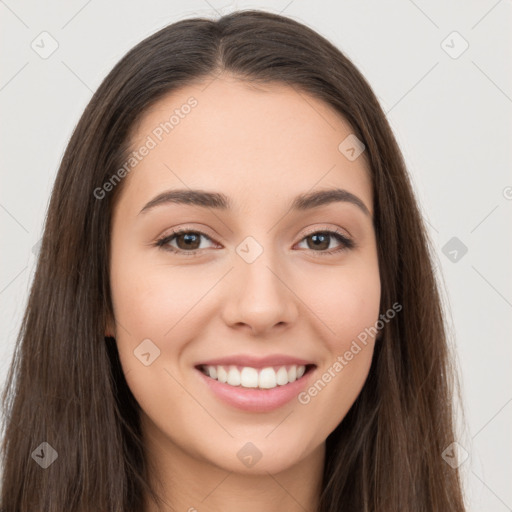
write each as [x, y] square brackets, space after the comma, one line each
[256, 362]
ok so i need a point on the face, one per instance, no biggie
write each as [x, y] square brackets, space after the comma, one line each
[254, 285]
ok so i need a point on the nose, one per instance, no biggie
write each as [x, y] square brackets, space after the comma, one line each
[261, 297]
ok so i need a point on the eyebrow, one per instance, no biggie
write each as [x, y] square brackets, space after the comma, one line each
[220, 201]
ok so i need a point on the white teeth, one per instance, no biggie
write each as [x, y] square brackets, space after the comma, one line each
[233, 376]
[265, 378]
[249, 377]
[222, 376]
[282, 376]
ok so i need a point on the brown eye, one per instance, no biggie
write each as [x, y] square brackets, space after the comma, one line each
[187, 241]
[319, 242]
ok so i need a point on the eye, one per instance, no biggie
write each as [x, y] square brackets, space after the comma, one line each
[322, 239]
[188, 242]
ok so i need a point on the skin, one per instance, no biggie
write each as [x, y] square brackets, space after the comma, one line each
[261, 146]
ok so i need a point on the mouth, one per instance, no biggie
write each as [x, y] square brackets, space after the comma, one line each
[247, 377]
[255, 390]
[253, 383]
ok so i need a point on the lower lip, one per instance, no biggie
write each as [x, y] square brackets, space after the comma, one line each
[254, 399]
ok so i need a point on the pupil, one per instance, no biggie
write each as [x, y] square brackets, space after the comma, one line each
[189, 238]
[316, 237]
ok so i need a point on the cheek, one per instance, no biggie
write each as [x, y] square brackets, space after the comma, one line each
[345, 301]
[153, 307]
[347, 309]
[151, 298]
[162, 303]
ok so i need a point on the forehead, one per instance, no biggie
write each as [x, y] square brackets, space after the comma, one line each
[253, 142]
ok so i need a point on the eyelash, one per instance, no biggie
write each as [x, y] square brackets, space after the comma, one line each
[347, 243]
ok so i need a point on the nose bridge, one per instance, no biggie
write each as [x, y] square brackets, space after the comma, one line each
[261, 297]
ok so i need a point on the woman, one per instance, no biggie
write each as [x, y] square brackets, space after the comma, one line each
[234, 305]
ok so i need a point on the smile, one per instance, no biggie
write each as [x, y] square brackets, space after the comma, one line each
[255, 389]
[248, 377]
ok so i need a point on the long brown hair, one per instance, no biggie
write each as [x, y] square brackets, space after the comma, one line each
[65, 385]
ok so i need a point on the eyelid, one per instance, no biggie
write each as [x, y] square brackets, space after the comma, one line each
[347, 241]
[203, 230]
[317, 229]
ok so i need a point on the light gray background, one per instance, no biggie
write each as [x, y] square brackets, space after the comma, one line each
[451, 116]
